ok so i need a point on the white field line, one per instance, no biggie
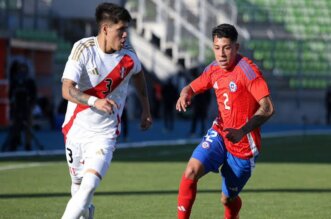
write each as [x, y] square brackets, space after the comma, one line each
[25, 165]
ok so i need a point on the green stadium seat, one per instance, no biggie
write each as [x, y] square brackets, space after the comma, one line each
[267, 64]
[307, 57]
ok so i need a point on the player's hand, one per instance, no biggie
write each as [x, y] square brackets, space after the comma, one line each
[146, 121]
[234, 135]
[184, 99]
[183, 102]
[106, 105]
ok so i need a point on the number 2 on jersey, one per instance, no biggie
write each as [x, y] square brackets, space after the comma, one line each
[211, 134]
[226, 101]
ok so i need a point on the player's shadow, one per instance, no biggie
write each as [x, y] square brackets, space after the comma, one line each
[160, 192]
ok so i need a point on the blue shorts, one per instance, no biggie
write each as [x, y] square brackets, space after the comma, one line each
[212, 153]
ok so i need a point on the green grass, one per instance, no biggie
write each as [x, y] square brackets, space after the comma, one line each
[292, 180]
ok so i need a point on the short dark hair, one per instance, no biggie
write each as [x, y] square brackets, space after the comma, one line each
[111, 12]
[225, 30]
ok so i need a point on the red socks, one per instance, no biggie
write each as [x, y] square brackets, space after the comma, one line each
[186, 196]
[232, 209]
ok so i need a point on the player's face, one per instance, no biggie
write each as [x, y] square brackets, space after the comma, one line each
[116, 35]
[225, 52]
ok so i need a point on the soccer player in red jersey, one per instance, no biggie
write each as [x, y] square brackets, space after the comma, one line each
[234, 141]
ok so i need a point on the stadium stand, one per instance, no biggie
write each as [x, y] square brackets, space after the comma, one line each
[288, 39]
[180, 29]
[300, 52]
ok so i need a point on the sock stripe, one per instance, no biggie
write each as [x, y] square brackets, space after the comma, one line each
[181, 208]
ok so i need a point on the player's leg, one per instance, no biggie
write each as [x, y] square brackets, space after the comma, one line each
[75, 163]
[235, 174]
[208, 156]
[232, 206]
[188, 187]
[96, 165]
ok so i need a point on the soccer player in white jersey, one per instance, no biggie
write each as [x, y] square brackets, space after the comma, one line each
[95, 82]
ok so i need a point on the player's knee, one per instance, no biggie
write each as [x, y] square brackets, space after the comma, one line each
[88, 188]
[190, 173]
[193, 171]
[90, 182]
[226, 200]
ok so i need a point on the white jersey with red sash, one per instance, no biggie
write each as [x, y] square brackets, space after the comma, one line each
[104, 76]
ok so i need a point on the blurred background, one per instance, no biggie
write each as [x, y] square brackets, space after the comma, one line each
[289, 40]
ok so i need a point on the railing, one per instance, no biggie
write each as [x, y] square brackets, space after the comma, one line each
[184, 27]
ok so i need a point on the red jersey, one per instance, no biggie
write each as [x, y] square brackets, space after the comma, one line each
[237, 92]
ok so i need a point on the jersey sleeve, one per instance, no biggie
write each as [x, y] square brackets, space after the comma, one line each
[201, 83]
[258, 88]
[254, 81]
[132, 53]
[137, 66]
[74, 66]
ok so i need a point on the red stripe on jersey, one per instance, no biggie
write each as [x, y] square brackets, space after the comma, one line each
[113, 79]
[67, 127]
[105, 87]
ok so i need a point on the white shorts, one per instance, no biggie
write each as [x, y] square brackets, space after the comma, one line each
[94, 154]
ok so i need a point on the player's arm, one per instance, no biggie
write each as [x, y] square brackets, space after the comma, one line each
[185, 98]
[198, 85]
[72, 94]
[140, 85]
[264, 112]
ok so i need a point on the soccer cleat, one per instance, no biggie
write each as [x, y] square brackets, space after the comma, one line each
[91, 210]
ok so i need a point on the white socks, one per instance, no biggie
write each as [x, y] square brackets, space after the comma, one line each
[82, 197]
[74, 188]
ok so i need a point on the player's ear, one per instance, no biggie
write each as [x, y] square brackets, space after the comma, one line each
[103, 28]
[237, 46]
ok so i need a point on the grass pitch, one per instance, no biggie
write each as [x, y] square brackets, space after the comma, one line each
[291, 180]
